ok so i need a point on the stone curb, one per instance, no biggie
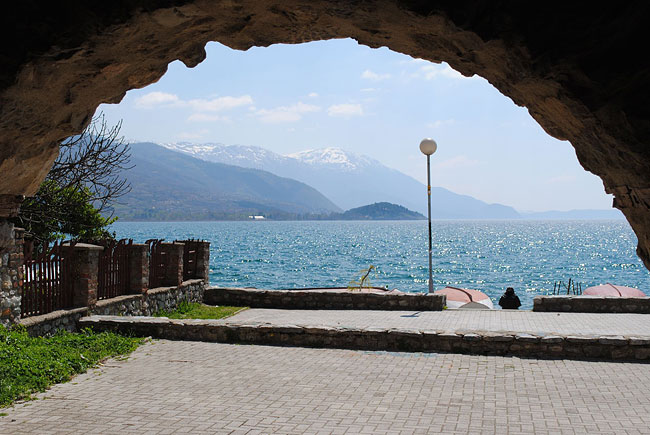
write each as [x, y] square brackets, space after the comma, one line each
[409, 340]
[322, 300]
[591, 304]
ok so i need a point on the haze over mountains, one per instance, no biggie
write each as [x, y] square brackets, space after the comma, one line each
[215, 182]
[168, 185]
[350, 180]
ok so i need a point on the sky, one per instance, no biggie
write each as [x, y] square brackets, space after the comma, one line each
[376, 102]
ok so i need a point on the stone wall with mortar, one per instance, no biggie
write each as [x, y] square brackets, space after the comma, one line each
[11, 272]
[322, 300]
[407, 340]
[65, 320]
[168, 298]
[145, 304]
[591, 304]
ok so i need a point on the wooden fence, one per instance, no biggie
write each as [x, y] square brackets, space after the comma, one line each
[113, 273]
[47, 285]
[49, 281]
[190, 257]
[158, 262]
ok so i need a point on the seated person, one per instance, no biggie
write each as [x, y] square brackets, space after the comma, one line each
[509, 300]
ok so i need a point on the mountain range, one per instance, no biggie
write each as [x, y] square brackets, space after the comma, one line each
[168, 185]
[214, 182]
[350, 180]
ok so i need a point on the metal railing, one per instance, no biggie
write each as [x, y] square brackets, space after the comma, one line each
[47, 279]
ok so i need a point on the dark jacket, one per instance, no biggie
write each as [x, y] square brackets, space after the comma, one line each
[510, 302]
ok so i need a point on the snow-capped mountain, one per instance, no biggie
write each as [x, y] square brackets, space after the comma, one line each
[239, 155]
[349, 180]
[167, 185]
[261, 158]
[335, 158]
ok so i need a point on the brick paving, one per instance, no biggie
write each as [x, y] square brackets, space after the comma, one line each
[194, 387]
[529, 322]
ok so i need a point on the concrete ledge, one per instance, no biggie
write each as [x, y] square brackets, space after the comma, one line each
[591, 304]
[322, 300]
[408, 340]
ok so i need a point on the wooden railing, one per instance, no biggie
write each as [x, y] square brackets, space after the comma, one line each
[190, 257]
[158, 262]
[47, 285]
[77, 274]
[113, 273]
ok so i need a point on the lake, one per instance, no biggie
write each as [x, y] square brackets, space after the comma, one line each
[483, 255]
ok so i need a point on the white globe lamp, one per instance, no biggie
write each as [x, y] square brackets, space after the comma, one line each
[428, 146]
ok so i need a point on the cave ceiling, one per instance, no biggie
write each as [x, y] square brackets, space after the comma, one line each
[575, 66]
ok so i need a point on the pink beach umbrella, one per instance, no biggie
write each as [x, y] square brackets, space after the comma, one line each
[459, 297]
[618, 291]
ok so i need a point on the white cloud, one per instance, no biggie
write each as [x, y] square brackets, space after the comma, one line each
[153, 99]
[432, 71]
[370, 75]
[312, 95]
[291, 113]
[368, 90]
[441, 123]
[457, 162]
[220, 103]
[345, 110]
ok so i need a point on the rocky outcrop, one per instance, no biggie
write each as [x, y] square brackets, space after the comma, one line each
[573, 66]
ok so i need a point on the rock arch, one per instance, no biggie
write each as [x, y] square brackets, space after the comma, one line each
[573, 67]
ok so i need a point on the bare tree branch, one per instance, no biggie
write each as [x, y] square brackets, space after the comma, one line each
[84, 182]
[95, 160]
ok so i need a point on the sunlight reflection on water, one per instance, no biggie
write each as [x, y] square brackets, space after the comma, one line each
[483, 255]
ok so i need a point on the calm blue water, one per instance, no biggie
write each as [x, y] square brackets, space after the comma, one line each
[484, 255]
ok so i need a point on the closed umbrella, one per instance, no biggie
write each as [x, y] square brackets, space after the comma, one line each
[465, 298]
[618, 291]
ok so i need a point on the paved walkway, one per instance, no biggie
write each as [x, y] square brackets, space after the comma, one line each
[194, 387]
[459, 320]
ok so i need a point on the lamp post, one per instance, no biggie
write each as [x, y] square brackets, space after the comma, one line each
[428, 147]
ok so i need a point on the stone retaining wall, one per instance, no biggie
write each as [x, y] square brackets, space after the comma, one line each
[146, 304]
[408, 340]
[50, 323]
[591, 304]
[322, 300]
[11, 272]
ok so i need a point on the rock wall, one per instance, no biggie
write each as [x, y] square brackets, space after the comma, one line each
[409, 340]
[591, 304]
[147, 304]
[575, 67]
[11, 272]
[319, 300]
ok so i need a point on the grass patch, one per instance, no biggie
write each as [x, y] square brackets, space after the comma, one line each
[195, 310]
[31, 364]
